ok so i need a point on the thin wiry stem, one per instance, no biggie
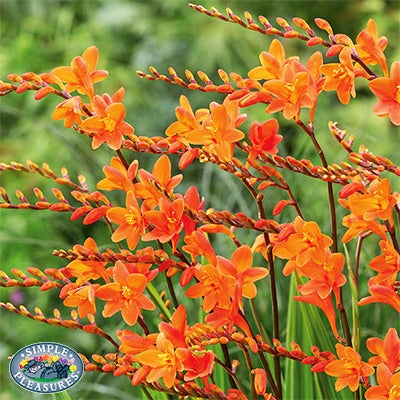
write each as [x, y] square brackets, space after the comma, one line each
[274, 294]
[342, 311]
[171, 291]
[250, 368]
[123, 159]
[310, 132]
[233, 379]
[392, 233]
[227, 359]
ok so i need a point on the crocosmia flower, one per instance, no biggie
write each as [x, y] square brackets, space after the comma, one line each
[264, 138]
[349, 368]
[82, 73]
[125, 294]
[107, 125]
[387, 90]
[130, 221]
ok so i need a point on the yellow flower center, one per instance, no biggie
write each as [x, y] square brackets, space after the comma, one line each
[211, 128]
[132, 217]
[398, 94]
[290, 87]
[390, 259]
[171, 219]
[309, 237]
[394, 392]
[328, 267]
[108, 123]
[126, 292]
[293, 94]
[216, 135]
[166, 358]
[339, 72]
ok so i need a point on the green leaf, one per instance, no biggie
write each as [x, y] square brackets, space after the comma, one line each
[307, 327]
[61, 396]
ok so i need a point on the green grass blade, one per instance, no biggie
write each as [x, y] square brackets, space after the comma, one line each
[61, 396]
[306, 326]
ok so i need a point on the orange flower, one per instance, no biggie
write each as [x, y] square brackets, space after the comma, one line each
[198, 364]
[117, 177]
[327, 277]
[176, 329]
[305, 244]
[125, 294]
[81, 75]
[219, 130]
[198, 245]
[317, 81]
[215, 287]
[236, 394]
[291, 92]
[382, 293]
[386, 351]
[141, 267]
[387, 265]
[378, 202]
[133, 343]
[240, 268]
[82, 297]
[264, 138]
[370, 46]
[161, 176]
[272, 62]
[388, 387]
[107, 125]
[163, 361]
[215, 129]
[325, 304]
[70, 111]
[228, 317]
[340, 76]
[193, 201]
[187, 120]
[387, 90]
[349, 368]
[130, 221]
[86, 270]
[260, 380]
[167, 222]
[358, 226]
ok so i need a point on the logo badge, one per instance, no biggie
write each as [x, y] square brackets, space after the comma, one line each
[46, 367]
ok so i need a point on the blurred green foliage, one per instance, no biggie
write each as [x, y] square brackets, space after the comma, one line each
[37, 35]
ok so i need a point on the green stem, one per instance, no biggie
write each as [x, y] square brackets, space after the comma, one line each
[357, 258]
[147, 393]
[157, 298]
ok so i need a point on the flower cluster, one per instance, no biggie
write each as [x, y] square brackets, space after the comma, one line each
[163, 234]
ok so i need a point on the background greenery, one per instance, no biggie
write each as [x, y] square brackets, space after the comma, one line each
[37, 35]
